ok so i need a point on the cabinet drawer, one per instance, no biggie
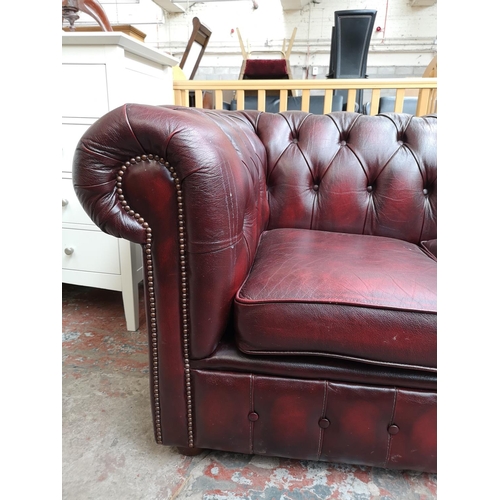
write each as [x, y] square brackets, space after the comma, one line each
[90, 250]
[71, 132]
[72, 211]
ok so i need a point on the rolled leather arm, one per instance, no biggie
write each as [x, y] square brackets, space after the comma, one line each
[142, 170]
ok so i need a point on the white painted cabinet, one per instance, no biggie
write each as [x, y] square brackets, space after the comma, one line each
[101, 71]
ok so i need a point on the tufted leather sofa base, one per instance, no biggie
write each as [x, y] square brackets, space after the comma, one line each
[381, 426]
[199, 190]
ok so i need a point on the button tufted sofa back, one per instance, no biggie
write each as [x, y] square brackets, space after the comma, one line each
[154, 174]
[352, 173]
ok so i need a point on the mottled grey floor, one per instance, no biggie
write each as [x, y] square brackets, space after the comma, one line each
[108, 447]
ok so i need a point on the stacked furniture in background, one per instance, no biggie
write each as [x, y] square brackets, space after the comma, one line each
[101, 71]
[265, 65]
[351, 36]
[268, 64]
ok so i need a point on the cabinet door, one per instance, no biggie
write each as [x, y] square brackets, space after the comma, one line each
[85, 90]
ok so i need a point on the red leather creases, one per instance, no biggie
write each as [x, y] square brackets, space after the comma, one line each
[352, 173]
[358, 297]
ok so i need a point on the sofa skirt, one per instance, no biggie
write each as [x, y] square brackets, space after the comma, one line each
[381, 426]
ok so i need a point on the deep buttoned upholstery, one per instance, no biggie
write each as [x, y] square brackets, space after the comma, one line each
[290, 275]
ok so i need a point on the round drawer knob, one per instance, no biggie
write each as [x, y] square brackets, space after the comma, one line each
[69, 251]
[64, 202]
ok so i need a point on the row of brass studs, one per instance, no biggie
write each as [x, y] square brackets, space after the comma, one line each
[151, 293]
[184, 301]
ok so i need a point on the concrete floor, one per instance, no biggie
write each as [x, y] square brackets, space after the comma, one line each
[108, 450]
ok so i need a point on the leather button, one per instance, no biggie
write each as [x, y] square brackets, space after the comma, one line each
[425, 191]
[316, 187]
[369, 189]
[343, 143]
[295, 140]
[400, 143]
[253, 416]
[324, 423]
[393, 429]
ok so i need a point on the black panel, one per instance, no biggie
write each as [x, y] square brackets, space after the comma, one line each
[351, 36]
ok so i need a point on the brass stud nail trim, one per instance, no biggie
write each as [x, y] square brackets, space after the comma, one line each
[151, 293]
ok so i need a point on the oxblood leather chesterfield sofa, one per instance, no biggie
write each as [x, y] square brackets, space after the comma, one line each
[290, 276]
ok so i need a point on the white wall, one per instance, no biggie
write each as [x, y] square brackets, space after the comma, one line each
[404, 45]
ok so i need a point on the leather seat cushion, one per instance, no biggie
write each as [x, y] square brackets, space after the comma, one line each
[359, 297]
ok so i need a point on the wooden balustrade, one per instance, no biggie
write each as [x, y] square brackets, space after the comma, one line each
[217, 94]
